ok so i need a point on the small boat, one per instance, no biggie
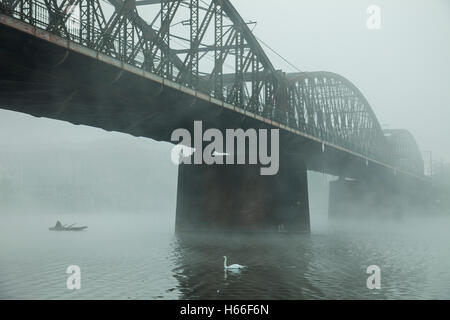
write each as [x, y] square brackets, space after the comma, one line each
[68, 229]
[60, 227]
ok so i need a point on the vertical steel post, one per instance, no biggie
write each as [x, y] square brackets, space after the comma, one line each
[194, 23]
[218, 51]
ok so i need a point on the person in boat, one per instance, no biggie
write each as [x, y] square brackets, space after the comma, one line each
[58, 225]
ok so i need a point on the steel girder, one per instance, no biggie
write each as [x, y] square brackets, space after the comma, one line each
[206, 45]
[328, 106]
[215, 37]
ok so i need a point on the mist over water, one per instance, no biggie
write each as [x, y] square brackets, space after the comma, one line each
[124, 190]
[135, 256]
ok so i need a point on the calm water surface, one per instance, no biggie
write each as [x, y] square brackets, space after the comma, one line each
[131, 257]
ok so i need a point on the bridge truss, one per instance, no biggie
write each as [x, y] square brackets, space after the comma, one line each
[207, 46]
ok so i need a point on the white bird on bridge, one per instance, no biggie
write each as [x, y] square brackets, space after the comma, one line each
[233, 266]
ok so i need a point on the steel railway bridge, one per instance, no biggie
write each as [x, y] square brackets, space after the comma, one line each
[148, 67]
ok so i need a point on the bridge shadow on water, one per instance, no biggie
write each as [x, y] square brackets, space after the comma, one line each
[272, 266]
[329, 263]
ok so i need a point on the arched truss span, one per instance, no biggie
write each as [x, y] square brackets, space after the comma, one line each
[207, 46]
[328, 106]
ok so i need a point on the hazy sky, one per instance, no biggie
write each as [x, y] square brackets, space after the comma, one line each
[403, 69]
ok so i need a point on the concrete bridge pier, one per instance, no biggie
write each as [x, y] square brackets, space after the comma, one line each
[237, 198]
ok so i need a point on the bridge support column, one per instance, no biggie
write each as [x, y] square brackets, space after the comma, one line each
[238, 198]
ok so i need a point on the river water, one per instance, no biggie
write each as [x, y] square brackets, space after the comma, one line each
[140, 257]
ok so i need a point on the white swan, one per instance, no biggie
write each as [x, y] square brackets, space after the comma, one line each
[233, 266]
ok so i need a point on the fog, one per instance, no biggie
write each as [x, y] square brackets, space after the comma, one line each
[124, 188]
[93, 171]
[403, 69]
